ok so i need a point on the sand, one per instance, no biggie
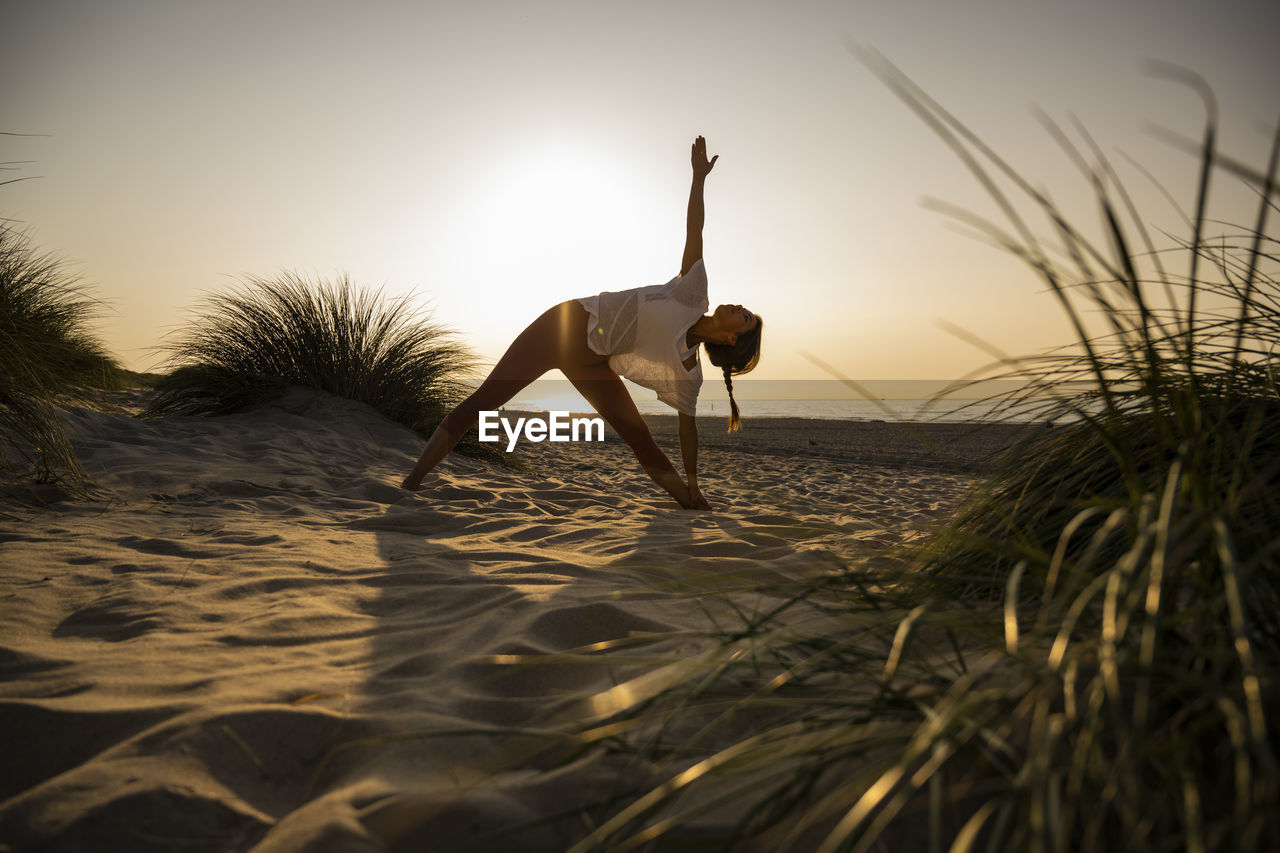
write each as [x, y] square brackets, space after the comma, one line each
[253, 640]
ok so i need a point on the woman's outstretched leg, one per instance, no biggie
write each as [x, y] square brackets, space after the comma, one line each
[490, 395]
[555, 339]
[604, 390]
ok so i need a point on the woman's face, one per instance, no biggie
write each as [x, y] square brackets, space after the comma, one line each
[734, 319]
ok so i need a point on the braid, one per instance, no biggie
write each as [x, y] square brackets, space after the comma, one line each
[734, 420]
[738, 357]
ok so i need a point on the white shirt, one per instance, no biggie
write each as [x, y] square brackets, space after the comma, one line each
[643, 330]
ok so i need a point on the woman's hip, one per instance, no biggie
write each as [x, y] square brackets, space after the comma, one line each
[560, 333]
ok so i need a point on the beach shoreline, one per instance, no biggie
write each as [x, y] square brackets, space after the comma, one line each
[960, 446]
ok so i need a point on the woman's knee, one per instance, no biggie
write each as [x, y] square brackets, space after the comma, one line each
[458, 421]
[492, 394]
[465, 414]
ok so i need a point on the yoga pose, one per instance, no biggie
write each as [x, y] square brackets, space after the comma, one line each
[650, 335]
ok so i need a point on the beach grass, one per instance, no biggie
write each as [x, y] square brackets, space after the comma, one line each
[1086, 657]
[49, 354]
[247, 346]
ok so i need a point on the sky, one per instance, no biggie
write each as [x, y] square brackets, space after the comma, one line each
[495, 158]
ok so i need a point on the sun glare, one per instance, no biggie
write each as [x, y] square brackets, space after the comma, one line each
[556, 220]
[563, 206]
[540, 220]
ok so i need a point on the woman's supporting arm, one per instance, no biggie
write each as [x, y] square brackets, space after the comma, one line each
[689, 451]
[697, 212]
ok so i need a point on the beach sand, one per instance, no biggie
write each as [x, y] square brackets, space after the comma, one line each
[254, 640]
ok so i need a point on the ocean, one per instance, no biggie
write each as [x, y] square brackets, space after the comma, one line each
[891, 400]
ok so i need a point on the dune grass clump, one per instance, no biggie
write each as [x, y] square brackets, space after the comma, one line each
[248, 346]
[49, 354]
[1087, 658]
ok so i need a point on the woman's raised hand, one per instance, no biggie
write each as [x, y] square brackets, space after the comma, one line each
[701, 166]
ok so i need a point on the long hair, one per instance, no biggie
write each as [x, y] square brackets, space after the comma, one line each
[741, 357]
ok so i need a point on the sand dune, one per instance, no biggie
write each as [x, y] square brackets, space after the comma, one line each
[197, 660]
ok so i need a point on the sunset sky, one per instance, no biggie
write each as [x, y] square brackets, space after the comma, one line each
[498, 157]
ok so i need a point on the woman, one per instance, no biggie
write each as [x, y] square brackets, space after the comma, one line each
[650, 335]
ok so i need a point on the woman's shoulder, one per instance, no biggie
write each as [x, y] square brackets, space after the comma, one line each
[697, 270]
[691, 288]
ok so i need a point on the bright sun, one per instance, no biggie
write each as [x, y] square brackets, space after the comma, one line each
[555, 218]
[541, 221]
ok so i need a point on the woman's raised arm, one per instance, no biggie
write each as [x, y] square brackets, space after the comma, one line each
[697, 214]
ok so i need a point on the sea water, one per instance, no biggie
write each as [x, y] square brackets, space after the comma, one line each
[830, 400]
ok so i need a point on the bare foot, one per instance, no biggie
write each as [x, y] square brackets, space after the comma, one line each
[411, 486]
